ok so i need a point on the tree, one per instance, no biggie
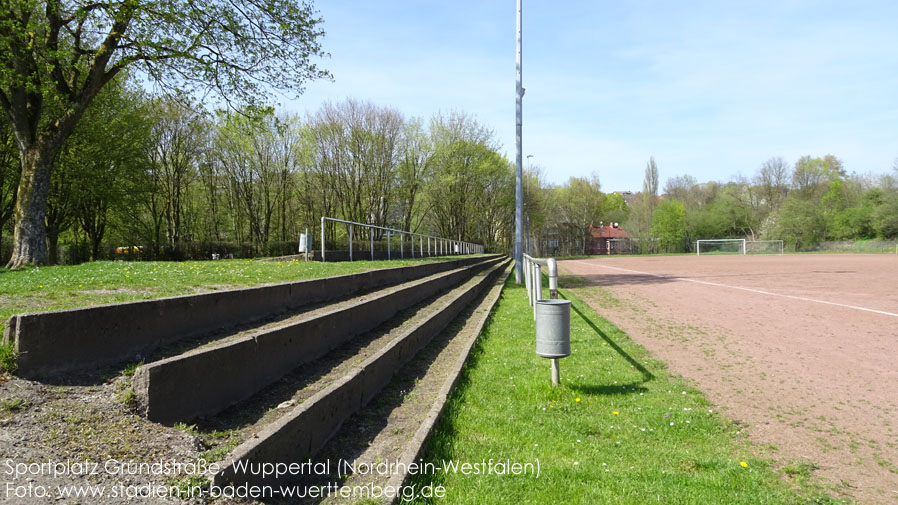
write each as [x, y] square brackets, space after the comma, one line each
[680, 188]
[414, 170]
[9, 175]
[614, 208]
[640, 223]
[811, 176]
[105, 151]
[56, 56]
[773, 180]
[650, 182]
[582, 207]
[799, 223]
[464, 151]
[179, 135]
[669, 225]
[885, 217]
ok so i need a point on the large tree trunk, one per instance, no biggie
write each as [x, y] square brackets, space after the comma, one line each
[29, 231]
[53, 246]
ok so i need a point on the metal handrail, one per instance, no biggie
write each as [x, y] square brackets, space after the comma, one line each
[533, 279]
[446, 246]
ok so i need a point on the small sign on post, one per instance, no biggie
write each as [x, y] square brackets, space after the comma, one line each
[305, 244]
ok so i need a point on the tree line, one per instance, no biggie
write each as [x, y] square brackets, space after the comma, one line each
[180, 181]
[813, 201]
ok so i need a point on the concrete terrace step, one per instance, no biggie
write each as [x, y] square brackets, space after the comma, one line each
[398, 423]
[303, 430]
[83, 339]
[207, 380]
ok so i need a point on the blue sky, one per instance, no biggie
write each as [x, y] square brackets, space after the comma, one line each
[710, 89]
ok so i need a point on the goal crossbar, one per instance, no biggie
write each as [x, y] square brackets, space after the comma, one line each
[698, 244]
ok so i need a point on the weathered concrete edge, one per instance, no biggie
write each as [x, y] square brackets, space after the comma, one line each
[70, 340]
[206, 381]
[289, 438]
[416, 445]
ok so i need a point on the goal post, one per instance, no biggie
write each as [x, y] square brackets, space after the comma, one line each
[764, 247]
[720, 246]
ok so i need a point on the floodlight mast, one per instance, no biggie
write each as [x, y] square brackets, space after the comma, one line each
[519, 178]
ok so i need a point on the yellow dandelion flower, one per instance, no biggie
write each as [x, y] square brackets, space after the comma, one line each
[615, 412]
[743, 464]
[576, 399]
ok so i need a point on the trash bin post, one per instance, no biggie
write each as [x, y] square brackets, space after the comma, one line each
[553, 332]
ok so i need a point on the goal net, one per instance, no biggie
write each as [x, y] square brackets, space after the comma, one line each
[764, 247]
[720, 246]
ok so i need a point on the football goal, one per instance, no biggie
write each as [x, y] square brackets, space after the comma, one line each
[764, 247]
[720, 246]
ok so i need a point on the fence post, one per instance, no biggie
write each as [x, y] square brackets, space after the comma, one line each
[527, 281]
[350, 242]
[411, 239]
[537, 283]
[371, 232]
[322, 239]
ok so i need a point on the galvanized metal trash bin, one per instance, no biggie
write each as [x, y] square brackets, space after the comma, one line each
[553, 328]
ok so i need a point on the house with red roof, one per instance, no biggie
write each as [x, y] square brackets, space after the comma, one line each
[608, 239]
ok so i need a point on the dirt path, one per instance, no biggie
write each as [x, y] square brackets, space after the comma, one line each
[802, 348]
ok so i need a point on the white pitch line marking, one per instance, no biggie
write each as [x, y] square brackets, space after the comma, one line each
[750, 290]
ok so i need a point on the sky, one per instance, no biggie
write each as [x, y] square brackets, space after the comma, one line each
[709, 89]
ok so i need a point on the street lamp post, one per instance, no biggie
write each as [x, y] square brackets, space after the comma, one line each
[519, 190]
[528, 246]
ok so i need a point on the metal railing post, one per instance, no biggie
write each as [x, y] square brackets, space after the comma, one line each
[350, 242]
[537, 286]
[371, 233]
[411, 239]
[527, 281]
[322, 239]
[402, 245]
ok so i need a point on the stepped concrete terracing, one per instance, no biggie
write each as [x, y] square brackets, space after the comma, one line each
[73, 340]
[300, 433]
[205, 381]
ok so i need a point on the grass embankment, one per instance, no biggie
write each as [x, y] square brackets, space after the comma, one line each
[619, 429]
[101, 282]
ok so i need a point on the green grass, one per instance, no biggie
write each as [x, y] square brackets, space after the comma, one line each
[63, 287]
[7, 357]
[619, 429]
[12, 404]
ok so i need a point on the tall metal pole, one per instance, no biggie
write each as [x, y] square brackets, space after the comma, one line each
[519, 179]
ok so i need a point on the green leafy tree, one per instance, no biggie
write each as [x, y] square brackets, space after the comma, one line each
[464, 156]
[811, 176]
[110, 149]
[582, 206]
[669, 225]
[9, 175]
[885, 217]
[414, 171]
[614, 208]
[799, 222]
[56, 56]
